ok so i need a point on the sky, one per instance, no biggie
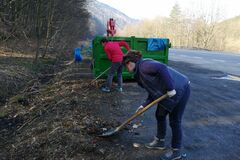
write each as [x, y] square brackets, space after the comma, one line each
[141, 9]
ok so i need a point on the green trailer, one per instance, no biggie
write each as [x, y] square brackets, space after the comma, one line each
[101, 62]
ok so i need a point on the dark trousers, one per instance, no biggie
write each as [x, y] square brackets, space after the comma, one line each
[175, 119]
[116, 66]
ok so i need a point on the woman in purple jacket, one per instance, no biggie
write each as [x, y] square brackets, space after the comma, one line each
[159, 79]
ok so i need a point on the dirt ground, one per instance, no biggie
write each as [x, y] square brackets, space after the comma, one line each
[60, 118]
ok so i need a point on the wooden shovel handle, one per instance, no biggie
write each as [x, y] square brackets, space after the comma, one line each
[141, 111]
[100, 75]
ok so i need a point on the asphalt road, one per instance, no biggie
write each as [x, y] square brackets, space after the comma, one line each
[228, 63]
[211, 124]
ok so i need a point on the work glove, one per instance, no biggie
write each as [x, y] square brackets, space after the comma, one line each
[171, 93]
[139, 108]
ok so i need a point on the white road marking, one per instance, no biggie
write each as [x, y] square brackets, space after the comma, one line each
[197, 57]
[228, 77]
[184, 56]
[218, 60]
[193, 57]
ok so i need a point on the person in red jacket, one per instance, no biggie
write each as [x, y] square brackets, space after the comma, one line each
[115, 55]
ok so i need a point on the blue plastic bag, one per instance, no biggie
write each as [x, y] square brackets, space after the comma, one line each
[77, 55]
[155, 44]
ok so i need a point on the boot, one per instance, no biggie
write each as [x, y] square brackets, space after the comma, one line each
[175, 155]
[105, 89]
[119, 89]
[156, 144]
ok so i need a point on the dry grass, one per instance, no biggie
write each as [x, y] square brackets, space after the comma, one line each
[9, 53]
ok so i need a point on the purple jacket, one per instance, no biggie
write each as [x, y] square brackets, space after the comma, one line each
[157, 79]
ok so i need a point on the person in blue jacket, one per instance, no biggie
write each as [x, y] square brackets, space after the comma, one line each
[158, 79]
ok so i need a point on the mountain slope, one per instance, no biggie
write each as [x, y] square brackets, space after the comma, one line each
[100, 13]
[231, 30]
[233, 26]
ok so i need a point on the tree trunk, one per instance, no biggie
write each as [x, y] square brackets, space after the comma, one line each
[49, 25]
[38, 29]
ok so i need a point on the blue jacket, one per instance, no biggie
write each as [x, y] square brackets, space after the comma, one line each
[157, 79]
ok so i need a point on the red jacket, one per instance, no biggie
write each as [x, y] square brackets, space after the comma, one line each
[113, 50]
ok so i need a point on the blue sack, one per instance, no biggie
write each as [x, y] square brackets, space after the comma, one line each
[155, 44]
[77, 55]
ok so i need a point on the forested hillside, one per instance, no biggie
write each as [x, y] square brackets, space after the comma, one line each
[190, 31]
[100, 14]
[42, 25]
[231, 30]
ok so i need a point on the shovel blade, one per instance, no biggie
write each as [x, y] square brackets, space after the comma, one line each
[108, 133]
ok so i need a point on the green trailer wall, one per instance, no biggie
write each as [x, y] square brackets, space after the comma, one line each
[101, 62]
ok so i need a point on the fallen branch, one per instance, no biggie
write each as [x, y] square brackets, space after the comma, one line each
[54, 130]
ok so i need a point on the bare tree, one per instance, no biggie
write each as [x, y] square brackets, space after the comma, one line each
[51, 6]
[46, 23]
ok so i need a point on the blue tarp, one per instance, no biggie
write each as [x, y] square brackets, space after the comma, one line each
[77, 55]
[155, 44]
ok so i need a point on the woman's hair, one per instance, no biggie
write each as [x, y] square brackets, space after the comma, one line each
[132, 56]
[103, 40]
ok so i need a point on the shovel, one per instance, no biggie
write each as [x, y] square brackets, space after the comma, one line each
[100, 75]
[113, 131]
[96, 79]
